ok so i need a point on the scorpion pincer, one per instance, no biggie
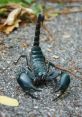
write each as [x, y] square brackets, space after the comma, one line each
[38, 70]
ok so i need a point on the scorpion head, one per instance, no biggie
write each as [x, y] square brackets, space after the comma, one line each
[42, 75]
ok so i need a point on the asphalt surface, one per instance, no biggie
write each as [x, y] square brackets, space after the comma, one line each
[64, 49]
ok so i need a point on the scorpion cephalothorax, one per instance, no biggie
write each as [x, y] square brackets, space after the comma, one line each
[38, 70]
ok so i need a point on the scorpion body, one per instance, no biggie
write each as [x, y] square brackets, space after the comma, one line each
[39, 70]
[37, 58]
[38, 63]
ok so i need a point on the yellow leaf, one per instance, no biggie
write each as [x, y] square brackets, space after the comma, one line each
[13, 16]
[29, 13]
[11, 22]
[8, 101]
[8, 29]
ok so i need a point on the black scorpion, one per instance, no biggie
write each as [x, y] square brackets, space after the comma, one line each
[38, 71]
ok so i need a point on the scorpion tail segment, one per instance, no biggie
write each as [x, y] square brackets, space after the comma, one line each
[63, 82]
[40, 18]
[26, 82]
[37, 30]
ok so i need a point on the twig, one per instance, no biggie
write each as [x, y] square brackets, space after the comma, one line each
[64, 1]
[66, 70]
[64, 11]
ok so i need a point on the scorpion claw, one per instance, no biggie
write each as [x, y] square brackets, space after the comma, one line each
[25, 82]
[63, 83]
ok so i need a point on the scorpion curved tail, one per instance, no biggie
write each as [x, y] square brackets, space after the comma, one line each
[37, 30]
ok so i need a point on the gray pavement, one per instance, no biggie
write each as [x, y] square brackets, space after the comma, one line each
[67, 44]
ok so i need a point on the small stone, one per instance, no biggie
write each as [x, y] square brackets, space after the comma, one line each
[8, 61]
[3, 68]
[32, 114]
[55, 56]
[2, 114]
[49, 50]
[36, 107]
[48, 114]
[57, 94]
[66, 35]
[76, 108]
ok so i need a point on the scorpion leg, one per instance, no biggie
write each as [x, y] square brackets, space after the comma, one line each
[52, 75]
[21, 56]
[50, 65]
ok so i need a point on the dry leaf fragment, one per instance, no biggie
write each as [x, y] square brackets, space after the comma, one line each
[12, 21]
[8, 29]
[29, 13]
[55, 56]
[8, 101]
[13, 16]
[24, 45]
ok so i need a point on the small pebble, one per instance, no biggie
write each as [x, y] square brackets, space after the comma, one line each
[55, 56]
[49, 50]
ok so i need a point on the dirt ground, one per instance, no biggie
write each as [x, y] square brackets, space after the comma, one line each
[66, 44]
